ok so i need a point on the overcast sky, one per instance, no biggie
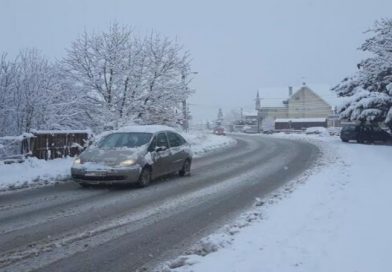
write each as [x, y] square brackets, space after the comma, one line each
[238, 47]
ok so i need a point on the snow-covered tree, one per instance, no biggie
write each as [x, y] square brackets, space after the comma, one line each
[7, 83]
[125, 78]
[26, 86]
[34, 95]
[107, 79]
[219, 117]
[370, 89]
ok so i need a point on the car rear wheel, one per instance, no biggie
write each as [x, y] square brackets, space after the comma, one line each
[186, 168]
[144, 178]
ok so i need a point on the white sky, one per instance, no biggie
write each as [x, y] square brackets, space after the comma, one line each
[238, 47]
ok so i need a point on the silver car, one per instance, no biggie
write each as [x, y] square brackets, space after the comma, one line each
[136, 154]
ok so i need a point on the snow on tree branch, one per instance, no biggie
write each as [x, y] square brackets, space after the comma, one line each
[370, 90]
[106, 79]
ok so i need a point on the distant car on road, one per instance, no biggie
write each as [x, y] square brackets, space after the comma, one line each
[136, 154]
[219, 131]
[250, 129]
[364, 133]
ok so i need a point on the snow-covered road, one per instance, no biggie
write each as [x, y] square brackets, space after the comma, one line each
[67, 228]
[336, 217]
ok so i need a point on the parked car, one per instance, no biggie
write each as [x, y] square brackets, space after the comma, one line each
[136, 154]
[250, 129]
[219, 131]
[268, 131]
[364, 133]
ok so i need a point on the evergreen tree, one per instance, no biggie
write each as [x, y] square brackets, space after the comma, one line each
[219, 119]
[370, 89]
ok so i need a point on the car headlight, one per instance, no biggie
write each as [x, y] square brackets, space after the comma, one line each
[127, 163]
[77, 162]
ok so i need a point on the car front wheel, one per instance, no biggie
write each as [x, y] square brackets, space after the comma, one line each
[186, 169]
[144, 178]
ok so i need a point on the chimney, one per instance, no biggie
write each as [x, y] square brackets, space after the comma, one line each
[290, 91]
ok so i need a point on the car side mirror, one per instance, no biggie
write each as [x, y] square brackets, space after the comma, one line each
[160, 148]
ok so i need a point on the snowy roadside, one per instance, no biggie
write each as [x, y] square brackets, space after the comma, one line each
[335, 217]
[34, 172]
[204, 143]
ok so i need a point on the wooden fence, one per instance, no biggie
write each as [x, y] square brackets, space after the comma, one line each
[52, 144]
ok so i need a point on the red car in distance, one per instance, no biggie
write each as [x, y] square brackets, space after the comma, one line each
[219, 131]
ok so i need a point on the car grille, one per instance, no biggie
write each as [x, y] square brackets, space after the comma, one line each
[98, 178]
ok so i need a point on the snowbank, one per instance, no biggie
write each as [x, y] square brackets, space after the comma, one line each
[336, 219]
[205, 142]
[34, 172]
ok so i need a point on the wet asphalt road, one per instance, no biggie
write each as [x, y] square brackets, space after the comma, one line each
[68, 228]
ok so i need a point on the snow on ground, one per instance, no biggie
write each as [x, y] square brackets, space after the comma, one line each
[204, 142]
[34, 172]
[336, 219]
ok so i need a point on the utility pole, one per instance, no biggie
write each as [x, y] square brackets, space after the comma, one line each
[185, 123]
[258, 109]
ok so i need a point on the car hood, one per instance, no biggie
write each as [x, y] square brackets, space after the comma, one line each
[110, 157]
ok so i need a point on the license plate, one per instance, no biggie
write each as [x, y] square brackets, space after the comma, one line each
[95, 174]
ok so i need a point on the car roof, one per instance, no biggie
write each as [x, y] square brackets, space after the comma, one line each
[147, 129]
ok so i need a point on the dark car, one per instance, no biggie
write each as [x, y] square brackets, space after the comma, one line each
[219, 131]
[364, 133]
[134, 154]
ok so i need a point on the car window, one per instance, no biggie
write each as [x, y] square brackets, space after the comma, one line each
[368, 129]
[175, 139]
[153, 144]
[125, 140]
[349, 128]
[162, 140]
[181, 139]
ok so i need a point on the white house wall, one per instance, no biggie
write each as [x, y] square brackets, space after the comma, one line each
[306, 104]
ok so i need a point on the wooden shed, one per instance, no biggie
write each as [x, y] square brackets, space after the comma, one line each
[52, 144]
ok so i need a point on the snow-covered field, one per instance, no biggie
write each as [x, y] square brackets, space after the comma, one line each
[335, 217]
[34, 172]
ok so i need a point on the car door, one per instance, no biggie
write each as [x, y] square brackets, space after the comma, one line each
[379, 134]
[177, 151]
[163, 155]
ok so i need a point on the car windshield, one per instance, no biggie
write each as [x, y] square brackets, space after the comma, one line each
[349, 128]
[377, 129]
[125, 140]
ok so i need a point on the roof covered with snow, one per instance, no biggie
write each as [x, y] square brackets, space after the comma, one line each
[274, 96]
[35, 132]
[17, 138]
